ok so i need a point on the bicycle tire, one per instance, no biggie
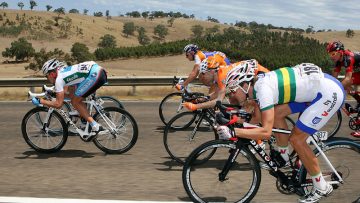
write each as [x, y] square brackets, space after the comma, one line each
[126, 131]
[49, 137]
[343, 154]
[338, 120]
[111, 101]
[176, 139]
[169, 106]
[201, 181]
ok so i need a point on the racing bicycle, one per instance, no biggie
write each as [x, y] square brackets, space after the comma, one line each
[171, 104]
[233, 174]
[46, 129]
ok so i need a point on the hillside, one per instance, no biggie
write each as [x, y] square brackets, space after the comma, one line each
[95, 27]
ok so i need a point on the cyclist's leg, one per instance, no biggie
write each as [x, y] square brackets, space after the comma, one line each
[281, 112]
[328, 101]
[97, 77]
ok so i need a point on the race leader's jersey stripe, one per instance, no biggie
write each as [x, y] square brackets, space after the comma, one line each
[286, 85]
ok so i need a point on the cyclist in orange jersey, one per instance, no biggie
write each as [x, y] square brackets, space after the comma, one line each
[193, 53]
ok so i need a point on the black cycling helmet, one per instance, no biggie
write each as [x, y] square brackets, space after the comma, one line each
[335, 46]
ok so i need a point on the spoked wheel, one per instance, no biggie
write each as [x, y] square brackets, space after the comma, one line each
[121, 131]
[44, 138]
[111, 102]
[204, 182]
[179, 142]
[170, 106]
[344, 155]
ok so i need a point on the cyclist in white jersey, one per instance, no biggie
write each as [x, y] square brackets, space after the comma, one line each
[87, 77]
[303, 88]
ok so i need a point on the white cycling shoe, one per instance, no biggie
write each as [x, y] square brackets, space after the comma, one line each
[316, 194]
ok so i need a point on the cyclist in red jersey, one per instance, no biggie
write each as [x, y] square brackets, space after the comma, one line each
[351, 61]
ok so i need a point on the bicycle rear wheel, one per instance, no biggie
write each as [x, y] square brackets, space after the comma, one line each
[121, 131]
[170, 106]
[202, 182]
[344, 155]
[44, 139]
[179, 142]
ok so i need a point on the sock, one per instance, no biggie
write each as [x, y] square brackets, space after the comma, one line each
[94, 126]
[284, 152]
[319, 181]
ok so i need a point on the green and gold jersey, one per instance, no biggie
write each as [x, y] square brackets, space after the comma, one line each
[288, 84]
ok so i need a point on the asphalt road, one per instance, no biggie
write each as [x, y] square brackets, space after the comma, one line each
[80, 170]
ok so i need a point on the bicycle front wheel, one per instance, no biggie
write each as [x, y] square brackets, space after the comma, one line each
[204, 182]
[121, 131]
[344, 155]
[44, 138]
[170, 106]
[179, 142]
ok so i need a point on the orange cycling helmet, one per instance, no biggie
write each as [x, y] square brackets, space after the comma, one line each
[211, 62]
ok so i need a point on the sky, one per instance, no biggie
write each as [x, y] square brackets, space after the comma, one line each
[321, 14]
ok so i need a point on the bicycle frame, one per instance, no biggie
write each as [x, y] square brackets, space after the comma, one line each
[198, 121]
[274, 168]
[91, 103]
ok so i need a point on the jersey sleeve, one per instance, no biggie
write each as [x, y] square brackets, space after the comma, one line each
[59, 85]
[263, 96]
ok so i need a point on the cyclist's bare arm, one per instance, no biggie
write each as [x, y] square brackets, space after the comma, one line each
[347, 82]
[57, 103]
[192, 76]
[261, 133]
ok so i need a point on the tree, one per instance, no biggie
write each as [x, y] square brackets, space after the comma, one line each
[309, 29]
[80, 52]
[74, 11]
[142, 37]
[197, 31]
[98, 14]
[59, 11]
[85, 11]
[107, 41]
[210, 19]
[171, 21]
[161, 31]
[350, 33]
[145, 14]
[107, 14]
[212, 30]
[42, 56]
[4, 5]
[129, 28]
[21, 5]
[32, 4]
[20, 49]
[48, 7]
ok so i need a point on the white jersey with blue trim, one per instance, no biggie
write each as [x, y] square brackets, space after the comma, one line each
[72, 75]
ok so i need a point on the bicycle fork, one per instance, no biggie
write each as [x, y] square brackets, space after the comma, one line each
[229, 163]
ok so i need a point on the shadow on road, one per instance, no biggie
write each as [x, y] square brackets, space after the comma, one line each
[170, 165]
[60, 154]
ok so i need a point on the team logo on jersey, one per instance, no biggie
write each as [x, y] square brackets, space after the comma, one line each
[325, 113]
[93, 75]
[316, 120]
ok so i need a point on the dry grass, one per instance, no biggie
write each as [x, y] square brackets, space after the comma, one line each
[95, 27]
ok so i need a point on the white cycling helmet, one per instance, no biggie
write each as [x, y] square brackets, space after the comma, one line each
[51, 65]
[241, 73]
[191, 47]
